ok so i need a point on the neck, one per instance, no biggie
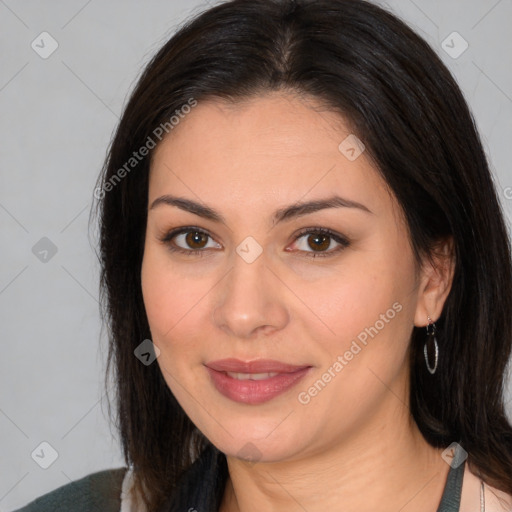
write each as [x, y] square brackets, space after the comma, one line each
[386, 468]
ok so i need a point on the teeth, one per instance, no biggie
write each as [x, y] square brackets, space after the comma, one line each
[251, 376]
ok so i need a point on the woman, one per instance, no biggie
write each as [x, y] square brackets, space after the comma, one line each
[306, 272]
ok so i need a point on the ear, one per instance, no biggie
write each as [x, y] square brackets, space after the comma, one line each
[436, 279]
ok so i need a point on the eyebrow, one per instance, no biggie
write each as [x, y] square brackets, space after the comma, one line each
[282, 214]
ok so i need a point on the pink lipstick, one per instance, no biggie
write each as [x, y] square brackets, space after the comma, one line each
[254, 382]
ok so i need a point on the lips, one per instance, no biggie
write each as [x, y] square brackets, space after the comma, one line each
[258, 366]
[254, 382]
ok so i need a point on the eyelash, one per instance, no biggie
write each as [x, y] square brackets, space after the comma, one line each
[344, 243]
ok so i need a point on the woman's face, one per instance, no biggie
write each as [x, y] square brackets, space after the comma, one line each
[251, 178]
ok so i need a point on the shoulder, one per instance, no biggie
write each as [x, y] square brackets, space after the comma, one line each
[496, 500]
[97, 491]
[473, 492]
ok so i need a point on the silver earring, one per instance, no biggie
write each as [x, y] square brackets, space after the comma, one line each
[431, 334]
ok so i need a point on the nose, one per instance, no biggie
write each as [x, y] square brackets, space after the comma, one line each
[250, 300]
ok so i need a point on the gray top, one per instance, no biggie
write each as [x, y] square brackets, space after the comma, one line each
[450, 501]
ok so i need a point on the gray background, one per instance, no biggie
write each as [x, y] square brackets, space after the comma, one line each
[57, 117]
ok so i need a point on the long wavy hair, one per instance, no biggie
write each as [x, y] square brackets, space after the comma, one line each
[364, 63]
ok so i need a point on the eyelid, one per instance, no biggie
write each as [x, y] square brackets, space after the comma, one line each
[343, 241]
[169, 235]
[340, 239]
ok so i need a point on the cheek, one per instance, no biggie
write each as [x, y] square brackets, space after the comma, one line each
[173, 305]
[161, 293]
[368, 308]
[157, 293]
[353, 298]
[371, 318]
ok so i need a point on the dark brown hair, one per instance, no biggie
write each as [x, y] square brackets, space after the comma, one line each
[402, 102]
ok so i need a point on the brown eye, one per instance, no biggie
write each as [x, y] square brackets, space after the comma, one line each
[189, 241]
[319, 242]
[196, 239]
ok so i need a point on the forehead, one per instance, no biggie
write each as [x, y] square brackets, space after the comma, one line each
[276, 147]
[275, 125]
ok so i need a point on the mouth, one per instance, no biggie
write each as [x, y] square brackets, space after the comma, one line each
[254, 382]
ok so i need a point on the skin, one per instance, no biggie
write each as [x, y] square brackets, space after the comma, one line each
[354, 446]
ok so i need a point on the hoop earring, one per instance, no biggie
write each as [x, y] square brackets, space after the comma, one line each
[431, 334]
